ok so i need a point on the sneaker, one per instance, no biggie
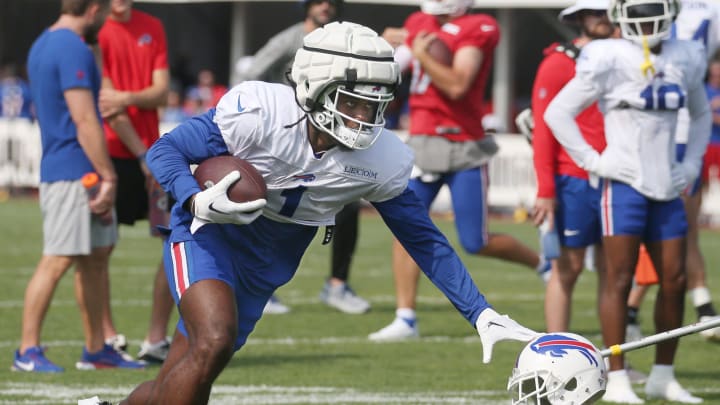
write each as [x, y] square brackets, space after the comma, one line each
[274, 306]
[399, 329]
[108, 357]
[118, 342]
[712, 334]
[493, 327]
[669, 391]
[619, 390]
[633, 332]
[343, 298]
[93, 401]
[155, 352]
[34, 360]
[544, 269]
[120, 345]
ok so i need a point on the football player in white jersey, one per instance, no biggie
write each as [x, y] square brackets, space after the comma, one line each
[698, 20]
[640, 81]
[318, 147]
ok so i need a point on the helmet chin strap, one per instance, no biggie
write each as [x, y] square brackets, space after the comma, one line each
[647, 65]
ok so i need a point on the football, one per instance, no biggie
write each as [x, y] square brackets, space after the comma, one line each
[250, 187]
[440, 52]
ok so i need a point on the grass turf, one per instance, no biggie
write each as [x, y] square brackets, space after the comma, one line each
[315, 354]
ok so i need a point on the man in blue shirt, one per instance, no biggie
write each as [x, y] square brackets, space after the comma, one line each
[77, 184]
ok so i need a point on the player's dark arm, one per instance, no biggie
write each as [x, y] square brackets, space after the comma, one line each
[408, 220]
[191, 142]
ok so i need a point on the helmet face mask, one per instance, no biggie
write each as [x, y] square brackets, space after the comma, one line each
[353, 114]
[342, 66]
[558, 368]
[644, 20]
[453, 8]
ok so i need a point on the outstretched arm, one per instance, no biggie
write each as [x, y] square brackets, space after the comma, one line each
[408, 220]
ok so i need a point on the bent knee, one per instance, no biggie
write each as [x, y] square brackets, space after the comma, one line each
[215, 345]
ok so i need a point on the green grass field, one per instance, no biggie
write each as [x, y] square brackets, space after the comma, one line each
[315, 355]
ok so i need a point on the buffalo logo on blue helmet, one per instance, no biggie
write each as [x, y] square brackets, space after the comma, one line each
[561, 345]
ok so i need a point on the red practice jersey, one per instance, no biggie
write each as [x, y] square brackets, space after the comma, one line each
[131, 51]
[549, 157]
[431, 113]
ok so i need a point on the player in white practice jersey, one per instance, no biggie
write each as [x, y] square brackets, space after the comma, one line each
[318, 148]
[698, 20]
[640, 82]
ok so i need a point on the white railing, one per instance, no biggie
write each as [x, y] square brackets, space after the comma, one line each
[512, 177]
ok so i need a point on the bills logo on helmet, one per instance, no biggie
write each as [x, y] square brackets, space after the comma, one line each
[560, 345]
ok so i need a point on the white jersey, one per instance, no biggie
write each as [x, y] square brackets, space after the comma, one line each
[261, 122]
[640, 113]
[698, 20]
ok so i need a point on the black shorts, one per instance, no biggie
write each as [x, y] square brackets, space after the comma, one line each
[131, 203]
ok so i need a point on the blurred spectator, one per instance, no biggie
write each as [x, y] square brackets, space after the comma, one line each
[15, 99]
[204, 95]
[136, 81]
[174, 111]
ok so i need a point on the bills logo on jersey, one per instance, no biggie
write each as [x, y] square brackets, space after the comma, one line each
[305, 178]
[145, 39]
[560, 346]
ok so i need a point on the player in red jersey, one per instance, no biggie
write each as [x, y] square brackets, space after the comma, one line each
[135, 83]
[564, 196]
[448, 140]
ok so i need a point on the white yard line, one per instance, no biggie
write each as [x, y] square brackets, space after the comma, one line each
[40, 393]
[294, 297]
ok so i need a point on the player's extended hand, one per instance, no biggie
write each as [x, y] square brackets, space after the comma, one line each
[493, 327]
[213, 204]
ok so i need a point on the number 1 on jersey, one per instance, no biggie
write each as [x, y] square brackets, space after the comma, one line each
[292, 200]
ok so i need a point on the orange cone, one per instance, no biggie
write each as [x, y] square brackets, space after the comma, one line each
[645, 271]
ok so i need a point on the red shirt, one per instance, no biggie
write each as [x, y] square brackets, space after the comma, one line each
[131, 51]
[429, 108]
[549, 157]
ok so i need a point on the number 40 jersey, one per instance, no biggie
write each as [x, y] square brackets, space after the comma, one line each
[639, 95]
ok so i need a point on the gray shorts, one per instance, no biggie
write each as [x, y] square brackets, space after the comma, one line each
[69, 228]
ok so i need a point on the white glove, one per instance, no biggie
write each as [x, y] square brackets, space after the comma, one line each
[525, 123]
[493, 327]
[213, 204]
[683, 176]
[602, 167]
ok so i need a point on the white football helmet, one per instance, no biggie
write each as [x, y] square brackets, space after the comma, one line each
[453, 8]
[558, 368]
[631, 15]
[348, 59]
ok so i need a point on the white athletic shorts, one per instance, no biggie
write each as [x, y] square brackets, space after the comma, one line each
[69, 228]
